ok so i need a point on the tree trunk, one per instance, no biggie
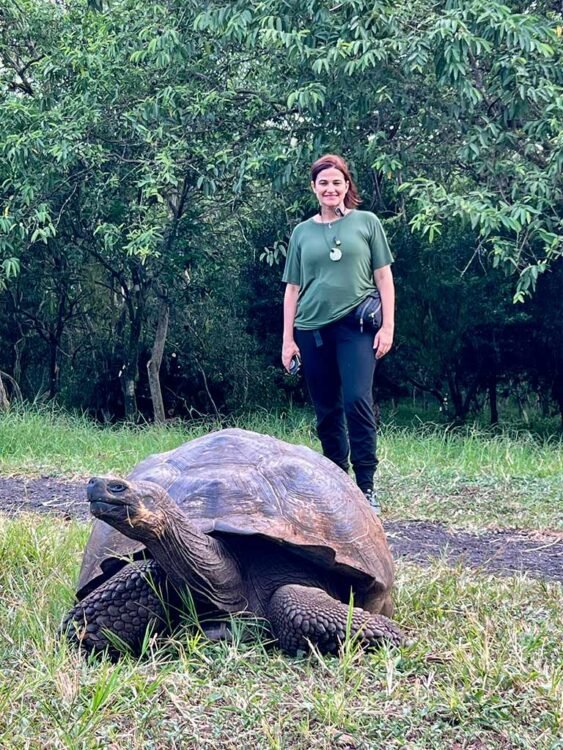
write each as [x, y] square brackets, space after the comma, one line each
[53, 366]
[128, 387]
[4, 403]
[130, 370]
[4, 400]
[154, 363]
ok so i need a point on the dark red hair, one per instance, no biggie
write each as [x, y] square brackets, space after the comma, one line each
[327, 161]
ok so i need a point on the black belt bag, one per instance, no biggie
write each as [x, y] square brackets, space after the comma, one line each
[368, 313]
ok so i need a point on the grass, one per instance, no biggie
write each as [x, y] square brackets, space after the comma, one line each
[484, 670]
[472, 477]
[48, 441]
[469, 477]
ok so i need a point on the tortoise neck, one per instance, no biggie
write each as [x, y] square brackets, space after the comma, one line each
[197, 561]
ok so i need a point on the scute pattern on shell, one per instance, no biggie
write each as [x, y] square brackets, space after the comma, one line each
[241, 482]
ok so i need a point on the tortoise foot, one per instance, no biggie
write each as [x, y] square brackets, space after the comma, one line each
[115, 617]
[302, 615]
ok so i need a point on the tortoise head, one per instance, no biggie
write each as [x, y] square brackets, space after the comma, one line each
[134, 508]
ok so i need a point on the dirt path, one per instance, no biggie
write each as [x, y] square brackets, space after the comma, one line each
[502, 552]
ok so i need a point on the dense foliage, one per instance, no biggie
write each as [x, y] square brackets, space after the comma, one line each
[153, 160]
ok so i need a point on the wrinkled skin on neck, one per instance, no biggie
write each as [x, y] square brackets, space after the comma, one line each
[143, 511]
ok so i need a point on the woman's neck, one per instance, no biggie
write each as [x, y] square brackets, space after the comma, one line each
[329, 214]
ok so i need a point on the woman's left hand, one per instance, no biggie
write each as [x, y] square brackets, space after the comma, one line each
[382, 342]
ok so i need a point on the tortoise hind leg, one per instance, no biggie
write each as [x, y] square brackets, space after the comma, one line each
[125, 605]
[302, 614]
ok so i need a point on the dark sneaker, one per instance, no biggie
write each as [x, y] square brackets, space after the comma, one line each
[371, 497]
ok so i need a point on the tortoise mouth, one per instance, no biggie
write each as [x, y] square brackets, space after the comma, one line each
[104, 502]
[101, 507]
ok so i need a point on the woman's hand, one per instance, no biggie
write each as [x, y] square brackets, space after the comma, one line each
[289, 349]
[383, 341]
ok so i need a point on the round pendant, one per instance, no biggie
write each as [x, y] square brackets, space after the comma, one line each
[335, 253]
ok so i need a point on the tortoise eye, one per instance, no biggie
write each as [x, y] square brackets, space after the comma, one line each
[116, 487]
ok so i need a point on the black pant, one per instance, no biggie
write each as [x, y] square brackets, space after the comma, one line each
[339, 365]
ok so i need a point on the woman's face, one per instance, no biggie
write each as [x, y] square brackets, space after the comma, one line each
[330, 187]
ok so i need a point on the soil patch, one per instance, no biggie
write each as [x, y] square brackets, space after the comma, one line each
[539, 554]
[497, 551]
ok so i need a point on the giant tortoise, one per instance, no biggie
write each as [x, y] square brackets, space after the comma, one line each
[248, 524]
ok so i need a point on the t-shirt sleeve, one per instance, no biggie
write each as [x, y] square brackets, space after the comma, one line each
[380, 252]
[292, 270]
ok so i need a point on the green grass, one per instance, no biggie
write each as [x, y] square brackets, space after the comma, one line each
[484, 670]
[472, 477]
[465, 477]
[48, 441]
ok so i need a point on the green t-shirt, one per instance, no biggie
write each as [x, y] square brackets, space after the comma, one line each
[330, 289]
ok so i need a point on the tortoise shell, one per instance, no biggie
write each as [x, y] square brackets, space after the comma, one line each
[239, 482]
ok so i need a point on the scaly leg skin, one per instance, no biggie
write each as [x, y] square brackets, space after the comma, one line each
[302, 614]
[126, 605]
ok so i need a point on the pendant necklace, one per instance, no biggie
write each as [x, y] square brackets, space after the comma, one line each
[335, 253]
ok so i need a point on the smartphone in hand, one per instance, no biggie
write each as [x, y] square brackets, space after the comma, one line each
[294, 365]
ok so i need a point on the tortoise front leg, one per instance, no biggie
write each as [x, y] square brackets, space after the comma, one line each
[125, 605]
[302, 614]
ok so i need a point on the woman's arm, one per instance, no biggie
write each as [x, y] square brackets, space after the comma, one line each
[289, 347]
[383, 340]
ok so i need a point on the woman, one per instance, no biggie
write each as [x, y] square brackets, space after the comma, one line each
[335, 259]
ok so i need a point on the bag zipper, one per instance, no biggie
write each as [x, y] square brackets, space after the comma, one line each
[366, 304]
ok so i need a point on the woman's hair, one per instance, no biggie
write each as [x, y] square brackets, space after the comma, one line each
[327, 161]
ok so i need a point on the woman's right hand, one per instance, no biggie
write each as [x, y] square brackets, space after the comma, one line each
[289, 350]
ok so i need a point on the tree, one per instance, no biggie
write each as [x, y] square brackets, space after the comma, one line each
[151, 154]
[130, 129]
[454, 108]
[455, 340]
